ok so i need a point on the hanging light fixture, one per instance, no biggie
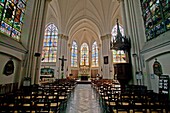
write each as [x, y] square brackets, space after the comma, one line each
[119, 42]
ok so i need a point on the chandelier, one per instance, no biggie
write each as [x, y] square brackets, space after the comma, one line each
[120, 42]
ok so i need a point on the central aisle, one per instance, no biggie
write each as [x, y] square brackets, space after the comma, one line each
[83, 100]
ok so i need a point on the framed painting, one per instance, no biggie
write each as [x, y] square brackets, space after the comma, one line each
[106, 60]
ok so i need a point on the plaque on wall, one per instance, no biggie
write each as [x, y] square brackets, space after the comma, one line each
[164, 84]
[106, 60]
[9, 68]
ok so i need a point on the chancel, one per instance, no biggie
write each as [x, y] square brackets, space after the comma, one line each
[87, 56]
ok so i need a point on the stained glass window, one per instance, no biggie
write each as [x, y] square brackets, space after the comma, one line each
[74, 54]
[11, 17]
[156, 17]
[84, 54]
[94, 55]
[49, 52]
[118, 55]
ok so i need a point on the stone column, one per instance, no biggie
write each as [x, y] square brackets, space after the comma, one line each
[124, 21]
[134, 23]
[41, 39]
[69, 58]
[62, 51]
[100, 58]
[106, 55]
[36, 39]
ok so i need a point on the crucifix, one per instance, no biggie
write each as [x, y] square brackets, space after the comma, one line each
[62, 62]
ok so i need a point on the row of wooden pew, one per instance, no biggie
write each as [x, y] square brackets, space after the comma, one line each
[49, 98]
[131, 99]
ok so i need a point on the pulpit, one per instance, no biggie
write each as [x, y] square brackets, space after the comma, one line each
[123, 73]
[123, 68]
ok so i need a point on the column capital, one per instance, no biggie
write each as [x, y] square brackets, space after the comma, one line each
[48, 0]
[69, 45]
[107, 36]
[63, 36]
[120, 1]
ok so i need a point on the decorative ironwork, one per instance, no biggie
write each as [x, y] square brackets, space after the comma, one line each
[120, 42]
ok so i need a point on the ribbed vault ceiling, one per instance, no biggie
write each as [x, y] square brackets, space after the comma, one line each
[85, 20]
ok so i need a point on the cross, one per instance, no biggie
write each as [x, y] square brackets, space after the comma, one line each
[62, 62]
[84, 60]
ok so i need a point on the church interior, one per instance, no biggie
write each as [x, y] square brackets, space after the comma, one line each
[84, 56]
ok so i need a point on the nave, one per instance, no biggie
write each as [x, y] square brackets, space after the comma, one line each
[83, 100]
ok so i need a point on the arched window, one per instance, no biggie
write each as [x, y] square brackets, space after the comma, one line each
[49, 52]
[119, 55]
[74, 54]
[11, 17]
[84, 54]
[94, 55]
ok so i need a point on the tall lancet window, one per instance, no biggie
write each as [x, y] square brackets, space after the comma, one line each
[118, 55]
[74, 54]
[84, 61]
[94, 55]
[49, 52]
[11, 17]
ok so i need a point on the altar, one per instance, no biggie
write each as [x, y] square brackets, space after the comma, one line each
[84, 77]
[84, 73]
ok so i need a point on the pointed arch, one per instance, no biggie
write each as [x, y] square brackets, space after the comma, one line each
[84, 58]
[74, 54]
[95, 55]
[49, 52]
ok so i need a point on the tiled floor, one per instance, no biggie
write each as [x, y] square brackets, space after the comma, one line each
[83, 100]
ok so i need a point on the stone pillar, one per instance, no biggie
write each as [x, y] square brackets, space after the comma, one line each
[124, 21]
[106, 55]
[36, 39]
[100, 58]
[69, 58]
[134, 24]
[90, 56]
[62, 51]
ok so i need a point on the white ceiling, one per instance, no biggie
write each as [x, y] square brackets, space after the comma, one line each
[84, 20]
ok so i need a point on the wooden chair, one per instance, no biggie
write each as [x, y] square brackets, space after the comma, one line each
[154, 104]
[113, 98]
[139, 103]
[123, 103]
